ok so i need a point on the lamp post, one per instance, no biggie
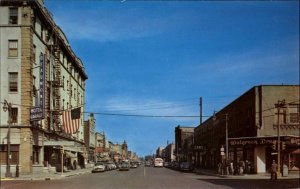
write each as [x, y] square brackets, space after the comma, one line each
[7, 107]
[280, 105]
[226, 134]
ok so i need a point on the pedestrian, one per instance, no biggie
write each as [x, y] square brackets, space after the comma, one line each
[220, 168]
[246, 167]
[273, 170]
[231, 168]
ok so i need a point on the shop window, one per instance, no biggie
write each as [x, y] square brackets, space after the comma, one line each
[13, 15]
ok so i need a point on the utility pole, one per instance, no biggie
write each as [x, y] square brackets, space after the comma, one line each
[280, 104]
[200, 104]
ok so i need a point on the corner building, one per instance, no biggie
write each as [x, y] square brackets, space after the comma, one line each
[43, 80]
[252, 121]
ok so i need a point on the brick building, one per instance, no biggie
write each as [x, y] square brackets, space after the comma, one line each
[252, 122]
[181, 134]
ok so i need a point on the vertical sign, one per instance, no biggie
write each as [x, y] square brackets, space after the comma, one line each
[42, 83]
[37, 113]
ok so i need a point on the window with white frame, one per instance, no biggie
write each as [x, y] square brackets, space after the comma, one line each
[13, 81]
[12, 48]
[13, 15]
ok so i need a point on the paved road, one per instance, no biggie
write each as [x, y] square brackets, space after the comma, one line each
[148, 178]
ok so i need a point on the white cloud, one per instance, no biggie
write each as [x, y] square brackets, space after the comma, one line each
[111, 26]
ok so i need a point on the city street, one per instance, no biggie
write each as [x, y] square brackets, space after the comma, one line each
[148, 178]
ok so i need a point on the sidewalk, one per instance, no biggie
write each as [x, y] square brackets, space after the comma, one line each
[50, 176]
[246, 176]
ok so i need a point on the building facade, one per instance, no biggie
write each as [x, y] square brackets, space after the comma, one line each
[252, 126]
[44, 81]
[89, 137]
[181, 133]
[169, 153]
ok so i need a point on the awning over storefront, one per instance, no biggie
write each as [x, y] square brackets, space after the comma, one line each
[71, 146]
[297, 151]
[70, 155]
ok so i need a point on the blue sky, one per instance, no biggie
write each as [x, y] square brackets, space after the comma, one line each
[159, 57]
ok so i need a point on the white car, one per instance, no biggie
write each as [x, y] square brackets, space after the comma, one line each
[99, 167]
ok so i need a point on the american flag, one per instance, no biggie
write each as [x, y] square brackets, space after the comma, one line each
[71, 120]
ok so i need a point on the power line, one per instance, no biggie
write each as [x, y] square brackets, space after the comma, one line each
[140, 115]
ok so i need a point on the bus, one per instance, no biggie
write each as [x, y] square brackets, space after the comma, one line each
[158, 162]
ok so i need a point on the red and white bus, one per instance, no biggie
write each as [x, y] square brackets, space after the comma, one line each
[158, 162]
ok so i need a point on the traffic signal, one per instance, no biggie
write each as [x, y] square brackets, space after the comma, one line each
[274, 146]
[283, 146]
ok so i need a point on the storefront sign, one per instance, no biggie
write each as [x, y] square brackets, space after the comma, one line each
[42, 83]
[38, 113]
[254, 141]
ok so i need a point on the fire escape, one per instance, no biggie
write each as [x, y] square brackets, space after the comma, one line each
[56, 84]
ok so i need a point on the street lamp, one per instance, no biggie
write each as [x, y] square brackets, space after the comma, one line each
[7, 107]
[226, 134]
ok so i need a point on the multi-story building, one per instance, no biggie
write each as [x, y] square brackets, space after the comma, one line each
[100, 145]
[252, 126]
[169, 153]
[115, 152]
[160, 152]
[89, 137]
[181, 133]
[43, 80]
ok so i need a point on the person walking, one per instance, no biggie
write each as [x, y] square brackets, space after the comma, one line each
[274, 170]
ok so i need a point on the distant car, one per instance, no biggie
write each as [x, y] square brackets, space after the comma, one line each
[124, 166]
[147, 164]
[99, 167]
[134, 165]
[185, 166]
[166, 164]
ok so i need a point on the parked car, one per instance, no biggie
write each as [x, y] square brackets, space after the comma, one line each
[124, 166]
[98, 167]
[110, 166]
[185, 166]
[133, 165]
[166, 164]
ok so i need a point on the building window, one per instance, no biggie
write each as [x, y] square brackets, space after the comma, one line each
[14, 115]
[34, 54]
[294, 118]
[294, 113]
[13, 82]
[13, 15]
[12, 48]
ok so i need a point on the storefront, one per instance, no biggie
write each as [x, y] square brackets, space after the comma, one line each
[260, 151]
